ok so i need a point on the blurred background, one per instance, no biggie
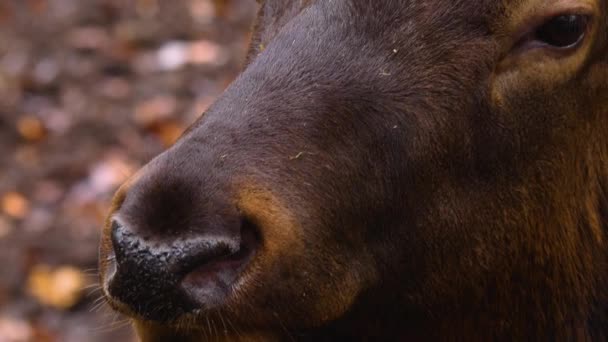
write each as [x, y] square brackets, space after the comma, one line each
[89, 91]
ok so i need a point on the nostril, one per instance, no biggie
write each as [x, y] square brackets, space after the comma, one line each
[207, 252]
[186, 271]
[204, 256]
[141, 276]
[208, 278]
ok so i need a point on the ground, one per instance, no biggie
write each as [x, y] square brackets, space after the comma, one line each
[89, 91]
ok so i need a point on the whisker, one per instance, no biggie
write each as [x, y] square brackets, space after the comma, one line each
[90, 271]
[224, 324]
[114, 325]
[94, 285]
[276, 315]
[98, 304]
[215, 332]
[208, 327]
[93, 291]
[234, 329]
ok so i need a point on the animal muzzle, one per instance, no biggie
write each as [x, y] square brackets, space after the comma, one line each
[161, 277]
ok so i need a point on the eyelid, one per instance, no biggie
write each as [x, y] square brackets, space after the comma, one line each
[527, 42]
[521, 29]
[530, 26]
[528, 15]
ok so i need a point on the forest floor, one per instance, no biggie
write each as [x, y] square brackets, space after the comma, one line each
[89, 91]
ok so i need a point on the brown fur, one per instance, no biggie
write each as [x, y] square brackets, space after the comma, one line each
[410, 174]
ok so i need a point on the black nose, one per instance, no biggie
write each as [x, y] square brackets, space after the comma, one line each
[161, 277]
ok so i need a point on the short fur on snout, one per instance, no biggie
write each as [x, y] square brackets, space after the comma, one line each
[410, 174]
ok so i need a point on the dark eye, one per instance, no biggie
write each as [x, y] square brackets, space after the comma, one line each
[563, 31]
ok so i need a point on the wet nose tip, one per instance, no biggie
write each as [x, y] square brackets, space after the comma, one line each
[121, 238]
[177, 273]
[144, 278]
[171, 255]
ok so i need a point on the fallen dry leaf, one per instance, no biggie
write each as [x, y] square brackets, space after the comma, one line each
[48, 192]
[109, 173]
[89, 38]
[12, 330]
[60, 288]
[172, 55]
[206, 52]
[169, 132]
[45, 71]
[115, 88]
[220, 7]
[5, 227]
[155, 110]
[15, 205]
[202, 11]
[31, 128]
[147, 8]
[70, 82]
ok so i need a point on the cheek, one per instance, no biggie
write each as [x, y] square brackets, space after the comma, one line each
[297, 262]
[538, 92]
[537, 76]
[598, 81]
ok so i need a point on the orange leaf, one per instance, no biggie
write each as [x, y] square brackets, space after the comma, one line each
[31, 128]
[15, 205]
[61, 288]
